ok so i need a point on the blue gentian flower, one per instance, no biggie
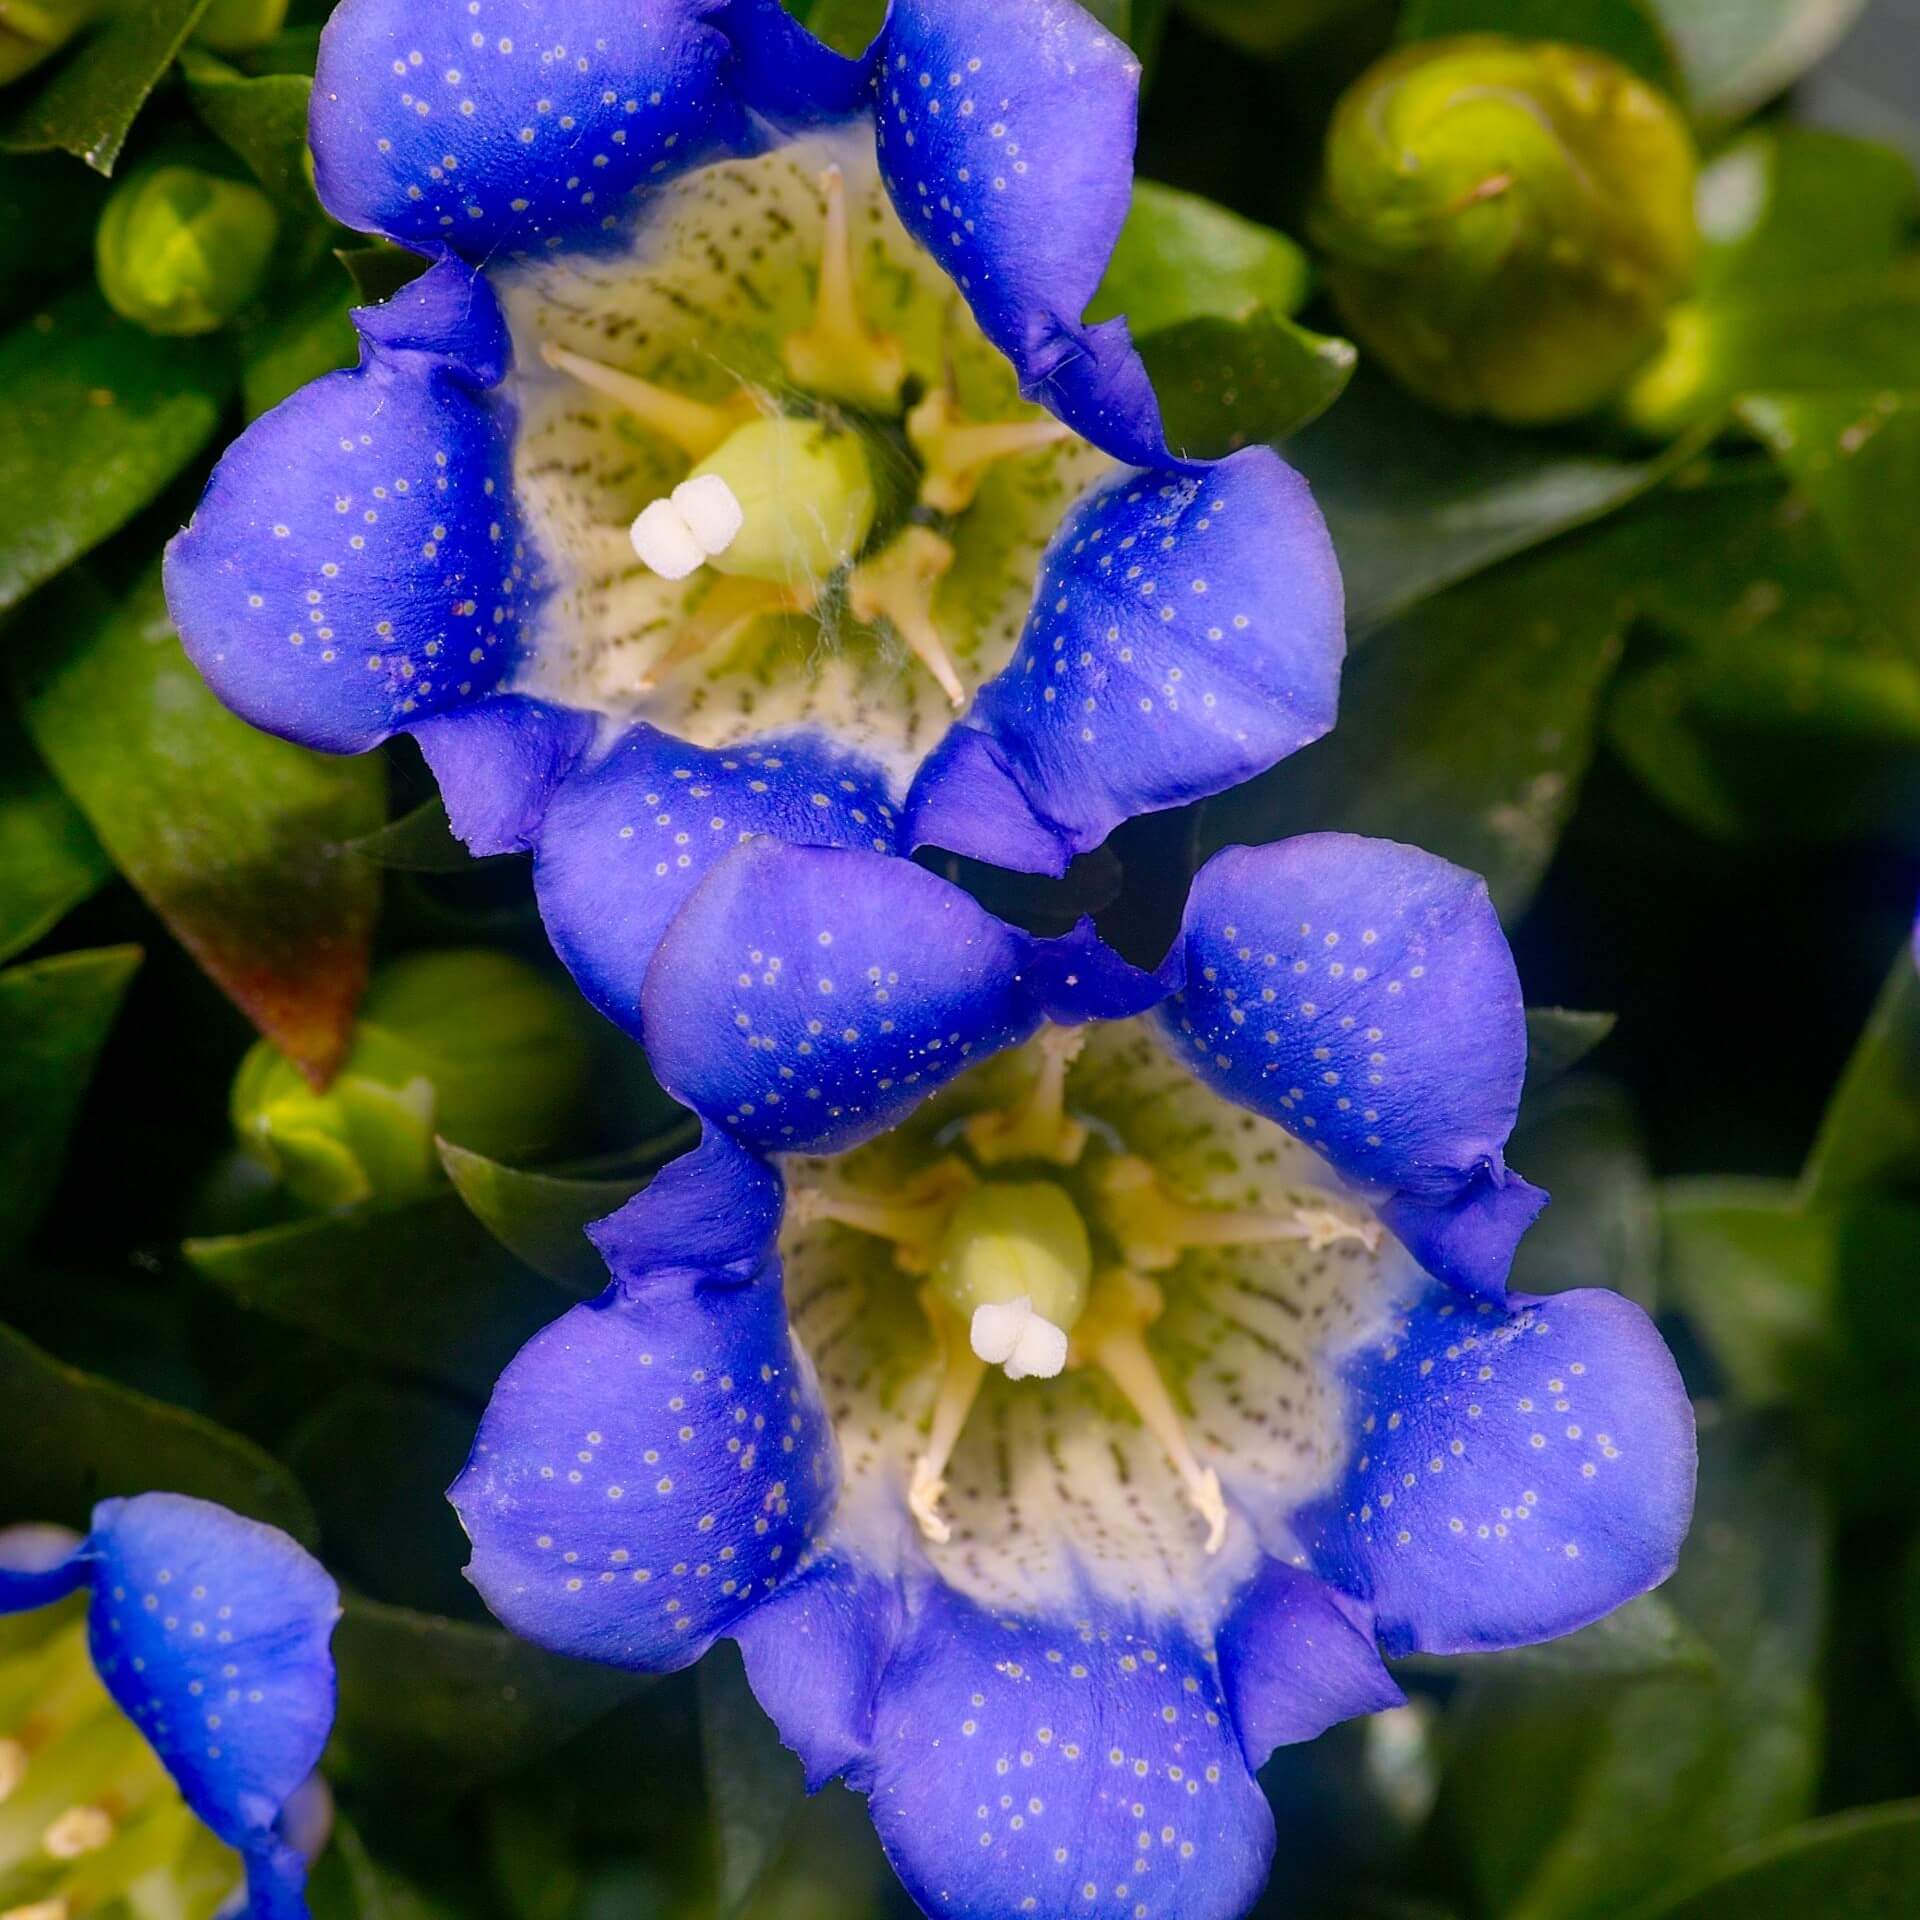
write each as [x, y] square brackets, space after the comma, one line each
[1065, 1383]
[209, 1634]
[727, 438]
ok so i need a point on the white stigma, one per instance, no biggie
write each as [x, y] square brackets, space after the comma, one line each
[698, 519]
[1012, 1335]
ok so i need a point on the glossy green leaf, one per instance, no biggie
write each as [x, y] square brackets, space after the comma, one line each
[347, 1883]
[419, 841]
[1629, 30]
[1558, 1039]
[430, 1707]
[1755, 1273]
[1417, 502]
[261, 118]
[422, 1288]
[231, 835]
[54, 1019]
[1226, 384]
[755, 1787]
[1862, 1865]
[1856, 456]
[297, 340]
[49, 859]
[96, 416]
[379, 270]
[1465, 726]
[541, 1218]
[1738, 53]
[1869, 1139]
[1607, 1793]
[47, 210]
[1646, 1637]
[90, 101]
[71, 1438]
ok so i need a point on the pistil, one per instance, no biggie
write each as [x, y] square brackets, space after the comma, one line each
[956, 452]
[1154, 1228]
[693, 426]
[1039, 1128]
[840, 355]
[897, 585]
[1113, 1337]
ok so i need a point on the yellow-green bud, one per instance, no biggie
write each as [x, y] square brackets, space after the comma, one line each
[1508, 221]
[1009, 1240]
[34, 30]
[233, 26]
[806, 495]
[474, 1046]
[179, 250]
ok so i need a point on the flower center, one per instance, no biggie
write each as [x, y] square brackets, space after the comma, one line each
[781, 406]
[88, 1815]
[1035, 1233]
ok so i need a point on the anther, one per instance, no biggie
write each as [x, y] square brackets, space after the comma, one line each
[38, 1910]
[1154, 1228]
[897, 585]
[692, 425]
[78, 1831]
[956, 452]
[840, 355]
[962, 1371]
[13, 1766]
[1039, 1128]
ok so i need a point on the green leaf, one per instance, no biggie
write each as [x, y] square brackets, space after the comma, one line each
[262, 119]
[1558, 1039]
[1465, 727]
[1630, 30]
[1417, 502]
[1737, 54]
[94, 96]
[541, 1218]
[378, 271]
[1644, 1637]
[755, 1787]
[71, 1438]
[48, 207]
[96, 416]
[1755, 1273]
[420, 841]
[347, 1883]
[1225, 384]
[431, 1708]
[422, 1288]
[1869, 1139]
[298, 340]
[54, 1019]
[231, 835]
[1861, 1865]
[1856, 456]
[49, 859]
[1606, 1793]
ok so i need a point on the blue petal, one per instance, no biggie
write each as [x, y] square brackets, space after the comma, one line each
[1077, 978]
[628, 839]
[355, 564]
[1297, 1657]
[648, 1467]
[498, 764]
[815, 1652]
[1186, 633]
[716, 1208]
[1515, 1473]
[1087, 1765]
[1362, 994]
[783, 74]
[212, 1634]
[39, 1565]
[806, 998]
[1005, 134]
[520, 124]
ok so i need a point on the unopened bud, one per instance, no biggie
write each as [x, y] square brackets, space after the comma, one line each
[34, 30]
[180, 250]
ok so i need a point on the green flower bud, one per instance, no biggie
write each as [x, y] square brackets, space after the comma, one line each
[1508, 222]
[179, 250]
[806, 495]
[34, 30]
[1010, 1240]
[470, 1045]
[234, 26]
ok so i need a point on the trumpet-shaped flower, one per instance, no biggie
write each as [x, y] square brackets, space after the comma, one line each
[1065, 1383]
[160, 1750]
[746, 431]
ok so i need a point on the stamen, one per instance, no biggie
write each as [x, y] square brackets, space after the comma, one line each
[897, 585]
[698, 520]
[37, 1910]
[1154, 1228]
[1112, 1337]
[959, 1388]
[78, 1831]
[1039, 1128]
[840, 354]
[727, 609]
[1011, 1334]
[13, 1767]
[956, 452]
[914, 1218]
[692, 425]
